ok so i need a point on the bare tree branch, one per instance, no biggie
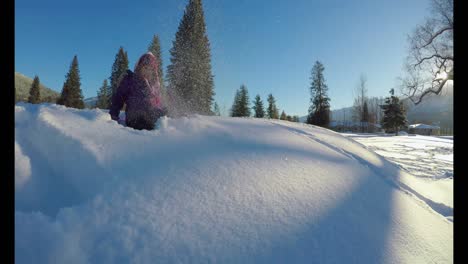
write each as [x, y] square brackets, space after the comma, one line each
[431, 57]
[431, 54]
[435, 35]
[428, 91]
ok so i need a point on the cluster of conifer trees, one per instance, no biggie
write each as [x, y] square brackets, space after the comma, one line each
[241, 107]
[190, 87]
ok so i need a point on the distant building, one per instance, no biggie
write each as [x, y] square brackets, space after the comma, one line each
[423, 129]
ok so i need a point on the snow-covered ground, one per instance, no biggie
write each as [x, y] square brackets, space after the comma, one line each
[428, 161]
[423, 156]
[210, 190]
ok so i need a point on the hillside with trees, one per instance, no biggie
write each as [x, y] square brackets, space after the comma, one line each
[23, 84]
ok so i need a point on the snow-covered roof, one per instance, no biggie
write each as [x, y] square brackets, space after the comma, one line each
[423, 126]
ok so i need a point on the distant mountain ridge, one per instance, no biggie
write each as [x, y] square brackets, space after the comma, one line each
[90, 102]
[433, 110]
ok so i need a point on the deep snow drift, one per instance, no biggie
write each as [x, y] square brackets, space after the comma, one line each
[210, 190]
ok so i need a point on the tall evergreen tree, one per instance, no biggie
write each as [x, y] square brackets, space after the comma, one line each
[240, 106]
[272, 110]
[71, 95]
[119, 69]
[189, 73]
[34, 92]
[235, 112]
[155, 49]
[103, 96]
[216, 110]
[258, 107]
[394, 114]
[319, 111]
[283, 116]
[245, 101]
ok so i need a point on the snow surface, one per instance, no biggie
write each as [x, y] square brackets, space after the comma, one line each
[22, 166]
[211, 190]
[428, 161]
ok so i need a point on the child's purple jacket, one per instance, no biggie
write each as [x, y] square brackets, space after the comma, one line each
[142, 99]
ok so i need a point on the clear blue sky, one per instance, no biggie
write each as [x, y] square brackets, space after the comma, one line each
[270, 46]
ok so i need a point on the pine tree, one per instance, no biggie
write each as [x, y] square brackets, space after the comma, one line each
[34, 92]
[319, 111]
[258, 107]
[272, 110]
[235, 112]
[216, 110]
[103, 96]
[244, 101]
[119, 69]
[394, 114]
[289, 118]
[283, 116]
[240, 106]
[71, 95]
[189, 73]
[155, 49]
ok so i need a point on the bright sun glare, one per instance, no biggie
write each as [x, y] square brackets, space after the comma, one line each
[442, 75]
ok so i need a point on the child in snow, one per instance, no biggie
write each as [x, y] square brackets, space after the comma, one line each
[141, 93]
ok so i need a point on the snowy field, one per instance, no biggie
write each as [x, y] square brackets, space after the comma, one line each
[211, 190]
[427, 159]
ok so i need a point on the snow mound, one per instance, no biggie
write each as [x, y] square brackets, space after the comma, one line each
[22, 167]
[210, 190]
